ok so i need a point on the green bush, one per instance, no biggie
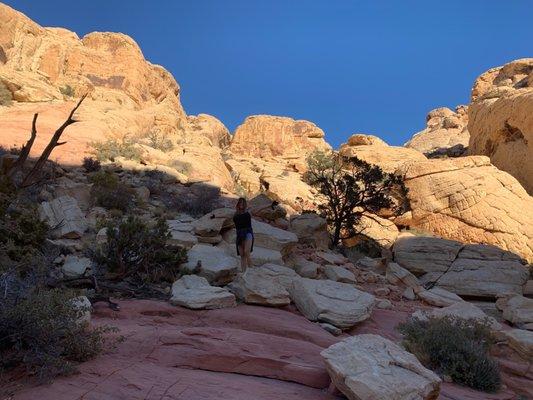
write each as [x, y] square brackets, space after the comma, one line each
[111, 149]
[137, 250]
[108, 192]
[182, 167]
[67, 90]
[160, 142]
[6, 98]
[91, 165]
[456, 348]
[44, 334]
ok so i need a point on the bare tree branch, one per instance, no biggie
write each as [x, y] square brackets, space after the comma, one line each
[54, 142]
[25, 152]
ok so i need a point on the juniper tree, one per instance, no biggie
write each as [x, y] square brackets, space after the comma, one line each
[348, 188]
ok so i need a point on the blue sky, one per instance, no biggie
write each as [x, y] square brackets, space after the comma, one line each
[374, 67]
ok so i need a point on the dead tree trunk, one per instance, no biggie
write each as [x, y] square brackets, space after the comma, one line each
[25, 152]
[54, 142]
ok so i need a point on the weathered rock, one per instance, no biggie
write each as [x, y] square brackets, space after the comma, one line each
[213, 263]
[256, 286]
[195, 292]
[181, 234]
[339, 274]
[279, 273]
[445, 135]
[372, 367]
[469, 200]
[305, 268]
[339, 304]
[211, 224]
[265, 135]
[409, 294]
[462, 310]
[268, 237]
[332, 258]
[439, 297]
[75, 266]
[517, 309]
[467, 270]
[520, 340]
[263, 207]
[210, 127]
[64, 216]
[376, 265]
[310, 229]
[380, 230]
[399, 276]
[375, 151]
[528, 288]
[84, 307]
[501, 119]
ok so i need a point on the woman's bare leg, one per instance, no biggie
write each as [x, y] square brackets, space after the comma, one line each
[243, 257]
[247, 252]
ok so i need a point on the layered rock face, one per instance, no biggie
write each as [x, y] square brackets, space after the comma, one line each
[266, 135]
[470, 200]
[501, 119]
[446, 133]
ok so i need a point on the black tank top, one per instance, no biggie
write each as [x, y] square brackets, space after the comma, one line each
[242, 221]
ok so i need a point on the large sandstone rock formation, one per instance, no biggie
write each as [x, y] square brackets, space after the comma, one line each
[446, 133]
[501, 119]
[469, 200]
[266, 135]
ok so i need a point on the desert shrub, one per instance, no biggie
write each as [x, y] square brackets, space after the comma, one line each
[111, 149]
[135, 249]
[43, 333]
[15, 150]
[6, 98]
[182, 167]
[108, 192]
[454, 347]
[160, 142]
[91, 165]
[67, 90]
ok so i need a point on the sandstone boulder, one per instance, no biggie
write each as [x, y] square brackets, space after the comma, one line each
[439, 297]
[380, 230]
[213, 264]
[501, 119]
[372, 367]
[462, 310]
[521, 341]
[304, 267]
[76, 266]
[339, 304]
[181, 234]
[195, 292]
[516, 309]
[263, 207]
[64, 216]
[210, 127]
[259, 286]
[467, 270]
[311, 229]
[469, 200]
[339, 274]
[445, 135]
[211, 224]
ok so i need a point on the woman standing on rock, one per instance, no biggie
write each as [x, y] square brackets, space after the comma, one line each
[245, 235]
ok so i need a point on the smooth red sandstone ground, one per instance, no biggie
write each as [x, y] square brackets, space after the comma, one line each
[243, 353]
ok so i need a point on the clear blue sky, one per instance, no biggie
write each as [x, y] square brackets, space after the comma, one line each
[349, 66]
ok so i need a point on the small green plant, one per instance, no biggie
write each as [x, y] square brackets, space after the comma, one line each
[6, 98]
[182, 167]
[135, 249]
[160, 142]
[45, 335]
[111, 149]
[454, 347]
[108, 192]
[91, 165]
[67, 90]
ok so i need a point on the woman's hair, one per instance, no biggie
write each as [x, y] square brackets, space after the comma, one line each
[243, 201]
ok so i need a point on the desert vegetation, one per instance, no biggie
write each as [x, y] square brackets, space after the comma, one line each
[110, 149]
[456, 348]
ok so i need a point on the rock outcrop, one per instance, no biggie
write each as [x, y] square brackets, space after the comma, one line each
[501, 119]
[464, 269]
[469, 200]
[445, 135]
[195, 292]
[372, 367]
[516, 309]
[267, 136]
